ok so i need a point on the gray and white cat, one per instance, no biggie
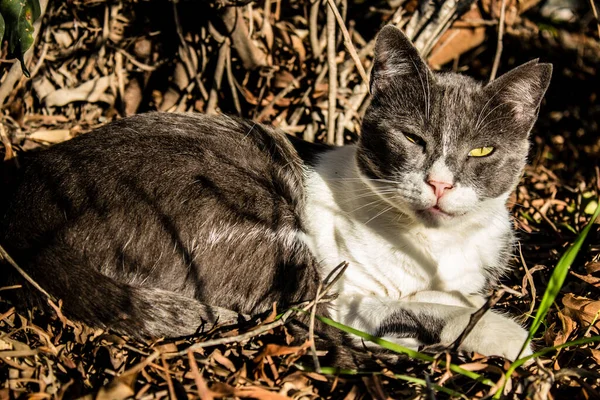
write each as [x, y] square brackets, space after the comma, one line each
[156, 224]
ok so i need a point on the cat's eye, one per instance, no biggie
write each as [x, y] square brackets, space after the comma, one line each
[481, 151]
[414, 139]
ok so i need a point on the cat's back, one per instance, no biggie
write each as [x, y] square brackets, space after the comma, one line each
[168, 137]
[161, 200]
[162, 156]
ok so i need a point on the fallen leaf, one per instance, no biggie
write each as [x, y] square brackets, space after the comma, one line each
[47, 136]
[224, 361]
[567, 327]
[592, 280]
[595, 355]
[582, 309]
[92, 91]
[258, 393]
[272, 349]
[592, 267]
[457, 41]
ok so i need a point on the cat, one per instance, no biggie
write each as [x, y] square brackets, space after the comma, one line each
[156, 224]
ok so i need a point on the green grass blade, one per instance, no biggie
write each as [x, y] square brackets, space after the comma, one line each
[404, 350]
[557, 279]
[554, 285]
[521, 361]
[407, 378]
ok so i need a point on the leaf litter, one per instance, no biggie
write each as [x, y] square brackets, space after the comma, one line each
[100, 60]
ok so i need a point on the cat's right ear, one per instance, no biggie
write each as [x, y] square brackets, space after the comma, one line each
[521, 90]
[396, 59]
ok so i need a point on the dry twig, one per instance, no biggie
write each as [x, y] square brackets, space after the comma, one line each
[348, 42]
[499, 43]
[24, 274]
[332, 64]
[476, 316]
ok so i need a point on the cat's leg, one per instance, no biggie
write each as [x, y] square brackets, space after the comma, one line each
[429, 318]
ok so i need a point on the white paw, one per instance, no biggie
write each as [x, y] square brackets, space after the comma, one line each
[494, 335]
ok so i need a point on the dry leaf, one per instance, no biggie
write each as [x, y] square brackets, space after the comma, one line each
[47, 136]
[567, 327]
[259, 393]
[92, 91]
[117, 390]
[592, 267]
[224, 361]
[582, 309]
[272, 349]
[592, 280]
[457, 41]
[5, 345]
[595, 355]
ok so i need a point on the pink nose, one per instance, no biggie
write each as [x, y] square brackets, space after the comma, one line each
[439, 187]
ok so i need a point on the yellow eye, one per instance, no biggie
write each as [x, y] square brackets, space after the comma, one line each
[414, 139]
[481, 152]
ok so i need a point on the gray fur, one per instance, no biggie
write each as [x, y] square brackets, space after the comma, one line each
[448, 109]
[158, 224]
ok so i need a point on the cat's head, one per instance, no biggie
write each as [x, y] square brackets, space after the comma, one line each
[441, 145]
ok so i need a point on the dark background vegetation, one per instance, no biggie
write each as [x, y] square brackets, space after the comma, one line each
[97, 60]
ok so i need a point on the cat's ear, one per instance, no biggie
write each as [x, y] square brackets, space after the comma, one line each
[396, 59]
[522, 89]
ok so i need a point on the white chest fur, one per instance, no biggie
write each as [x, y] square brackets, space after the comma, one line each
[390, 255]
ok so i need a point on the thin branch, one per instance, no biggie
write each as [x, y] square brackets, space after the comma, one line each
[315, 43]
[500, 44]
[311, 331]
[331, 62]
[211, 107]
[595, 12]
[168, 379]
[232, 82]
[476, 316]
[203, 391]
[24, 274]
[348, 41]
[187, 57]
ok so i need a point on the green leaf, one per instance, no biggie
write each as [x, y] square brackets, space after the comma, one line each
[19, 16]
[2, 27]
[36, 10]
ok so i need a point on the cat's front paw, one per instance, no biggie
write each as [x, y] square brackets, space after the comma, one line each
[494, 335]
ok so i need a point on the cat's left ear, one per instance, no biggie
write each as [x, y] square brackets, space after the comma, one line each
[396, 61]
[522, 89]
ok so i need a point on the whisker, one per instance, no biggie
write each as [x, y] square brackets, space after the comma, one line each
[379, 214]
[365, 195]
[380, 200]
[500, 89]
[489, 113]
[359, 179]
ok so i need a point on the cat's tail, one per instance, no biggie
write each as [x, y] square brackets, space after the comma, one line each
[161, 313]
[101, 301]
[142, 312]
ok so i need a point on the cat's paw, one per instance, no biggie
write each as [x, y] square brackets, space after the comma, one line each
[494, 335]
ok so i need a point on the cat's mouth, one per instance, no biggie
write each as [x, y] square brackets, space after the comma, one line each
[435, 212]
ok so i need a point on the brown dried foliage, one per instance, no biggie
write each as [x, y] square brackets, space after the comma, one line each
[97, 60]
